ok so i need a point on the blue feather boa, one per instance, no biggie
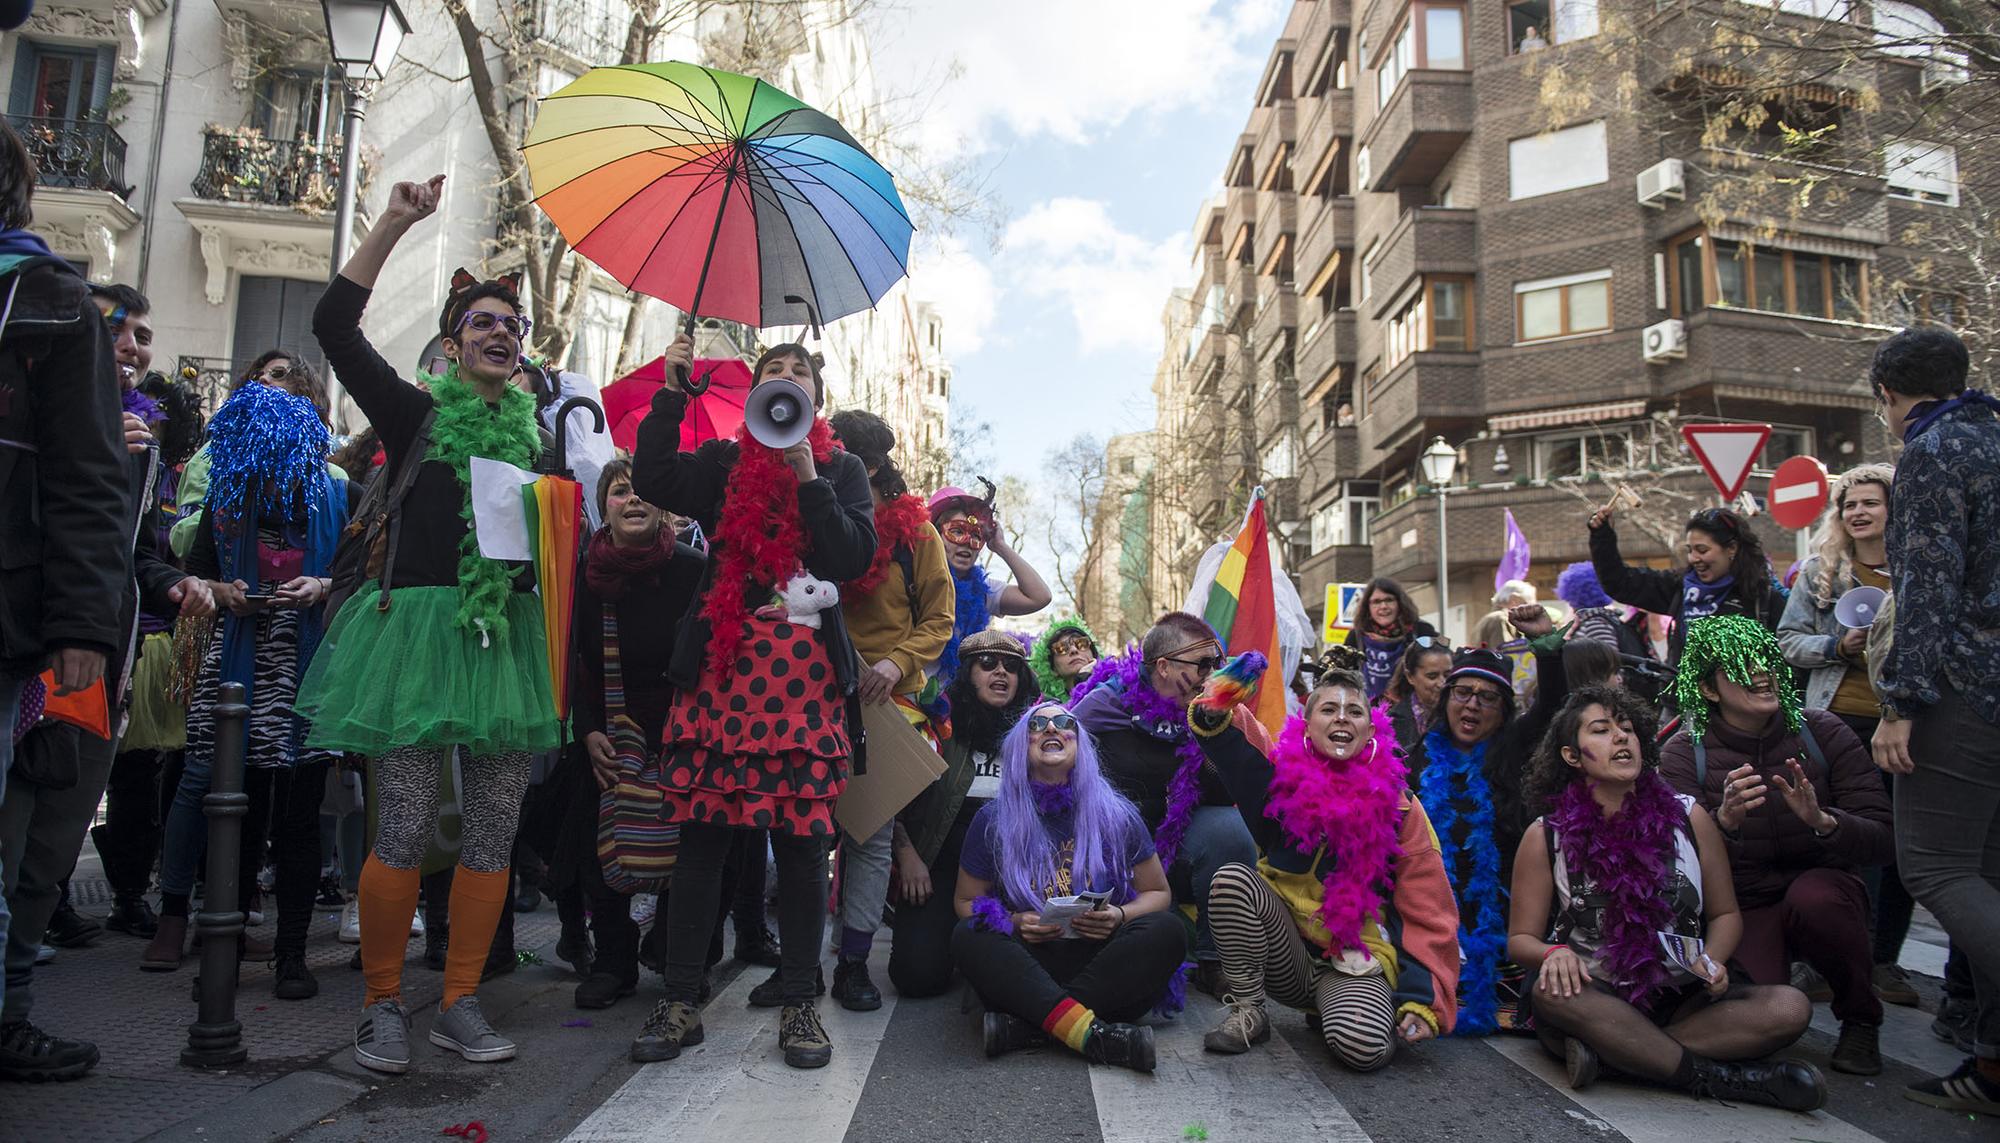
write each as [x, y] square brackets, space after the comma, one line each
[266, 444]
[973, 616]
[1452, 776]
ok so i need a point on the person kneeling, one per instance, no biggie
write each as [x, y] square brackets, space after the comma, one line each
[1348, 915]
[1619, 870]
[1057, 829]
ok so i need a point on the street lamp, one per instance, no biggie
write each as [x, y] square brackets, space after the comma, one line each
[1439, 462]
[364, 36]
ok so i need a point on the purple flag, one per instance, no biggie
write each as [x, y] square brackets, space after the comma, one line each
[1514, 561]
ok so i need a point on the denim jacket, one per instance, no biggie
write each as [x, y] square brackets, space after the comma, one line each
[1810, 636]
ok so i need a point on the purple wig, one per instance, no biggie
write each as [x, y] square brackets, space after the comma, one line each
[1025, 846]
[1578, 587]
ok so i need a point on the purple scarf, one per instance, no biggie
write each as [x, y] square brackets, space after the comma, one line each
[1628, 857]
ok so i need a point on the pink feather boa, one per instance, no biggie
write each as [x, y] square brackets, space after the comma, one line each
[1628, 857]
[1354, 809]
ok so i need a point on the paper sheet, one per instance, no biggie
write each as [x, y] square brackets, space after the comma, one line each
[499, 517]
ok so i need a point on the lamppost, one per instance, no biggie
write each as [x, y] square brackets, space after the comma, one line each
[1439, 461]
[363, 36]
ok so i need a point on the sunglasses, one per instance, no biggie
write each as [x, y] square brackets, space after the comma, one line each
[989, 660]
[1426, 642]
[1206, 664]
[1037, 723]
[1070, 646]
[280, 372]
[964, 533]
[482, 321]
[1476, 696]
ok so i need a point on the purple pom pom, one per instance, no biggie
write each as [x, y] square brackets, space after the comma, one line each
[988, 913]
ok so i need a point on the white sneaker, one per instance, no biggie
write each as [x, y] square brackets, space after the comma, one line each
[417, 923]
[350, 923]
[644, 906]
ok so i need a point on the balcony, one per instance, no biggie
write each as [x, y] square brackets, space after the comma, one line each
[1327, 225]
[212, 377]
[1276, 129]
[243, 166]
[263, 206]
[1429, 387]
[1239, 295]
[80, 206]
[1750, 354]
[1239, 211]
[1427, 118]
[1327, 119]
[1425, 240]
[1277, 222]
[1328, 344]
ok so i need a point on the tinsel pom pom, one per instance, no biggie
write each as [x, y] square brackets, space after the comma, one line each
[989, 914]
[266, 443]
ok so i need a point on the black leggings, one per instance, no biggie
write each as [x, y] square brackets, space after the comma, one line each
[1119, 979]
[694, 903]
[129, 839]
[920, 958]
[284, 808]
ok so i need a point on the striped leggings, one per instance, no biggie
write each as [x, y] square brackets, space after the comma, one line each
[489, 806]
[1263, 955]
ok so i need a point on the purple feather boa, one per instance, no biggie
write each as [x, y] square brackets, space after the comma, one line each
[989, 914]
[1164, 718]
[1627, 857]
[1052, 800]
[1353, 810]
[143, 407]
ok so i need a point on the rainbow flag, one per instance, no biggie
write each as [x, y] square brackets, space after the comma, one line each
[554, 507]
[1244, 611]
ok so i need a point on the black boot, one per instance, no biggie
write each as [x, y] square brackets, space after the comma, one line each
[574, 950]
[28, 1053]
[604, 989]
[1120, 1045]
[130, 914]
[291, 979]
[771, 993]
[1004, 1033]
[853, 987]
[757, 946]
[69, 929]
[1789, 1084]
[436, 939]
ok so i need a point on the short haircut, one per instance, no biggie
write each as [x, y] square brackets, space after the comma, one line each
[792, 349]
[120, 294]
[1925, 361]
[456, 306]
[17, 180]
[1171, 632]
[619, 469]
[869, 437]
[312, 389]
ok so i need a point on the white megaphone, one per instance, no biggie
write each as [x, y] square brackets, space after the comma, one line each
[1859, 607]
[779, 413]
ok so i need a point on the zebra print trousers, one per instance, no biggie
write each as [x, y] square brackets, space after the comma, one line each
[489, 806]
[1263, 955]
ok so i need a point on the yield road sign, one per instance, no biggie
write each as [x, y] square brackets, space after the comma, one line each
[1727, 453]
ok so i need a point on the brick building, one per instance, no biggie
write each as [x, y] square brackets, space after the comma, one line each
[1497, 224]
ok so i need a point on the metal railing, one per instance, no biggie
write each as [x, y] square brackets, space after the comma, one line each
[241, 165]
[212, 377]
[78, 153]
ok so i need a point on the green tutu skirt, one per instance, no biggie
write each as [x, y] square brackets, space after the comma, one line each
[410, 676]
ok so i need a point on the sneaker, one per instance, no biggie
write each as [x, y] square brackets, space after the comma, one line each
[267, 878]
[803, 1037]
[758, 947]
[462, 1028]
[853, 987]
[28, 1053]
[350, 923]
[133, 917]
[291, 979]
[45, 954]
[672, 1026]
[1807, 979]
[1245, 1023]
[1893, 985]
[1859, 1050]
[382, 1039]
[1580, 1062]
[1954, 1023]
[1963, 1090]
[1120, 1045]
[328, 896]
[1002, 1032]
[69, 929]
[1789, 1084]
[645, 906]
[254, 915]
[417, 928]
[771, 993]
[604, 989]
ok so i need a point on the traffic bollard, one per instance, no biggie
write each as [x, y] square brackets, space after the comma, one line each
[215, 1039]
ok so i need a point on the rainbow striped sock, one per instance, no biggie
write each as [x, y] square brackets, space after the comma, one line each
[1069, 1022]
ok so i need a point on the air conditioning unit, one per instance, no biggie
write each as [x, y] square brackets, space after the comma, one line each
[1939, 73]
[1663, 180]
[1363, 170]
[1664, 340]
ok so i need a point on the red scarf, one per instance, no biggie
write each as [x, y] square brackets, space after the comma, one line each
[760, 539]
[613, 571]
[897, 522]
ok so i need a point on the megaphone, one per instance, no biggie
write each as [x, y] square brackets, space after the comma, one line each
[779, 413]
[1859, 607]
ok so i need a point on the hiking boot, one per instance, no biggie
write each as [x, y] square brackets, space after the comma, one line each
[1807, 979]
[168, 946]
[1954, 1022]
[435, 943]
[69, 929]
[1893, 985]
[771, 993]
[1003, 1033]
[382, 1039]
[1859, 1050]
[1580, 1061]
[529, 898]
[758, 947]
[1245, 1023]
[575, 951]
[28, 1053]
[1790, 1084]
[291, 979]
[350, 922]
[1207, 978]
[803, 1037]
[1963, 1090]
[1120, 1045]
[603, 989]
[672, 1026]
[853, 988]
[132, 916]
[462, 1028]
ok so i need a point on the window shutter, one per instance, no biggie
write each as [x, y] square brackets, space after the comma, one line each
[259, 318]
[100, 88]
[21, 96]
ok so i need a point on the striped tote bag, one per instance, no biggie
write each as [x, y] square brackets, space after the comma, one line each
[635, 845]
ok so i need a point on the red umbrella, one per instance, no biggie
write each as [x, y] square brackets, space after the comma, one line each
[714, 415]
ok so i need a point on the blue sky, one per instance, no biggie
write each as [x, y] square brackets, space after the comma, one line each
[1102, 126]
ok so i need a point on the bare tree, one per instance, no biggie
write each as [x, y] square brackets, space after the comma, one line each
[1073, 477]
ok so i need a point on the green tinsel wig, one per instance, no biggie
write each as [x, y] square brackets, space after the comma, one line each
[1738, 647]
[1042, 659]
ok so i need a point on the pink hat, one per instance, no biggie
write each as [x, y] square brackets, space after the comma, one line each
[951, 496]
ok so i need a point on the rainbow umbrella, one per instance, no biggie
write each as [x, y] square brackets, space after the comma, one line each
[718, 194]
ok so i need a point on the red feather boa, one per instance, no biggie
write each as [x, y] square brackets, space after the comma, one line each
[898, 521]
[760, 539]
[1354, 809]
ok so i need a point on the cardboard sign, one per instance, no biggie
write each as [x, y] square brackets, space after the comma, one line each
[901, 764]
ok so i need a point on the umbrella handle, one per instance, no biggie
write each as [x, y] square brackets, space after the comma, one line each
[562, 426]
[694, 386]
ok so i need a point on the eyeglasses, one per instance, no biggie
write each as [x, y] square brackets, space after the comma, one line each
[964, 532]
[280, 372]
[1037, 723]
[989, 660]
[482, 321]
[1205, 665]
[1476, 696]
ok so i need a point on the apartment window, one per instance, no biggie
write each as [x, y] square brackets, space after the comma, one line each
[291, 105]
[1935, 308]
[1429, 35]
[1557, 161]
[1336, 408]
[1710, 273]
[1535, 24]
[1927, 172]
[1583, 453]
[1361, 501]
[1559, 307]
[1819, 9]
[1787, 441]
[60, 83]
[1128, 466]
[1437, 316]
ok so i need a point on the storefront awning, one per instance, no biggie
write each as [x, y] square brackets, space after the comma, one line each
[1570, 415]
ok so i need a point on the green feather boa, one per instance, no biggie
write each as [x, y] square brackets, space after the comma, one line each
[468, 426]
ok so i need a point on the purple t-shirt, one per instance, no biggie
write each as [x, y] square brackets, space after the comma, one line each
[981, 857]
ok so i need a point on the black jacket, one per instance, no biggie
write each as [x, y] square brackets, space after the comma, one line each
[1661, 592]
[65, 546]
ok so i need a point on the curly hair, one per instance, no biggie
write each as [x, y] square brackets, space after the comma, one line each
[1750, 565]
[981, 726]
[183, 431]
[1836, 547]
[1548, 775]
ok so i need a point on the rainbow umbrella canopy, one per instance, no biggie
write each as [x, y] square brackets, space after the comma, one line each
[718, 194]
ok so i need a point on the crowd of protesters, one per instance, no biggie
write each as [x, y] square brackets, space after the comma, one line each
[1439, 840]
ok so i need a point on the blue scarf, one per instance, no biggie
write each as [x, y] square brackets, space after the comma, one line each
[1452, 776]
[972, 617]
[1700, 600]
[17, 246]
[1930, 411]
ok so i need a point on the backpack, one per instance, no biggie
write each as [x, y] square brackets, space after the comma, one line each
[367, 547]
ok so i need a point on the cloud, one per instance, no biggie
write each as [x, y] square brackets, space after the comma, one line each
[1064, 69]
[1114, 283]
[946, 273]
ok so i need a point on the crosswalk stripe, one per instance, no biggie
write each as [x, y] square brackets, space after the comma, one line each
[1906, 1036]
[736, 1087]
[1644, 1114]
[1266, 1093]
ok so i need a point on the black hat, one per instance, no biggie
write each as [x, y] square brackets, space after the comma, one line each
[1480, 662]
